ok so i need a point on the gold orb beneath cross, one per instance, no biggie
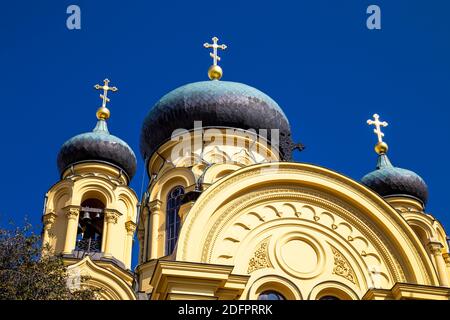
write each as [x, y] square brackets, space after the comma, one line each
[215, 72]
[103, 113]
[381, 147]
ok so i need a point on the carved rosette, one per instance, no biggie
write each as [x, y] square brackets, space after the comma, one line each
[342, 266]
[260, 259]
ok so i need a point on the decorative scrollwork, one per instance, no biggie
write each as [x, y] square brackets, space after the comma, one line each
[89, 245]
[260, 259]
[342, 267]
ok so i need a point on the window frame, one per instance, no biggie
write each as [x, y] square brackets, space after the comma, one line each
[173, 221]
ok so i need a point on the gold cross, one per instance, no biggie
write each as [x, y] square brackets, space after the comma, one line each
[215, 46]
[105, 89]
[378, 124]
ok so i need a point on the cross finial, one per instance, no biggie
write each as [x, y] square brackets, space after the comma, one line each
[378, 124]
[103, 112]
[381, 146]
[215, 71]
[214, 46]
[105, 89]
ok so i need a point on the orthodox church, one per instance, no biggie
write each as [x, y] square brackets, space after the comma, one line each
[227, 214]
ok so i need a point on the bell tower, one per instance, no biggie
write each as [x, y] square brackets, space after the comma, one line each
[91, 211]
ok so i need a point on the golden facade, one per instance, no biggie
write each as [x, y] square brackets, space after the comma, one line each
[240, 220]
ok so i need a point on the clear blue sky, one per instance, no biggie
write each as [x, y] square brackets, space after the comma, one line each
[316, 58]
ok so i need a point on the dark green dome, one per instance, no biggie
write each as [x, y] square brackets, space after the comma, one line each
[388, 180]
[217, 104]
[98, 145]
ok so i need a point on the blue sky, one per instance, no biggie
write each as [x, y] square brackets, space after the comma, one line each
[316, 58]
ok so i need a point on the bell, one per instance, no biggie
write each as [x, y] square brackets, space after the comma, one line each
[97, 215]
[86, 216]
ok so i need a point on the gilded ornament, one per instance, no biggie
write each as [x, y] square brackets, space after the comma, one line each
[215, 71]
[342, 266]
[260, 259]
[381, 147]
[103, 112]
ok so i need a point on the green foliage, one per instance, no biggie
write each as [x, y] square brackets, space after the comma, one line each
[26, 274]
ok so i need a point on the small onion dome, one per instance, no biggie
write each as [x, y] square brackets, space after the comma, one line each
[218, 104]
[388, 181]
[98, 145]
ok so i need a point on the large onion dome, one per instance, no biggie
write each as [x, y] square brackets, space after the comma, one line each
[217, 104]
[98, 145]
[389, 181]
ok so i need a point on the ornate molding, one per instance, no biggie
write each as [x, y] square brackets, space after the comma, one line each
[311, 197]
[72, 213]
[48, 220]
[435, 248]
[260, 259]
[368, 227]
[155, 206]
[111, 216]
[342, 267]
[130, 226]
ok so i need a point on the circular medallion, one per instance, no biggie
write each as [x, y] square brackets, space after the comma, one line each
[300, 255]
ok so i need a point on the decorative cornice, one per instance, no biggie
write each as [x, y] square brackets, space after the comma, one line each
[209, 276]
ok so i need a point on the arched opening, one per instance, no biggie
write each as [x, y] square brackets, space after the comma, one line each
[90, 226]
[334, 293]
[329, 297]
[271, 295]
[273, 287]
[421, 233]
[174, 198]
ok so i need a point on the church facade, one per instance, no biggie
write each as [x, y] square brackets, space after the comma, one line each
[227, 214]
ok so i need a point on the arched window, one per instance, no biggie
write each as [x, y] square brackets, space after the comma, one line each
[172, 218]
[90, 226]
[328, 297]
[271, 295]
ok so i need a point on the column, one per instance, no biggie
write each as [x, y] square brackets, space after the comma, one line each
[146, 239]
[436, 251]
[141, 237]
[130, 227]
[447, 264]
[48, 219]
[71, 231]
[155, 213]
[111, 217]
